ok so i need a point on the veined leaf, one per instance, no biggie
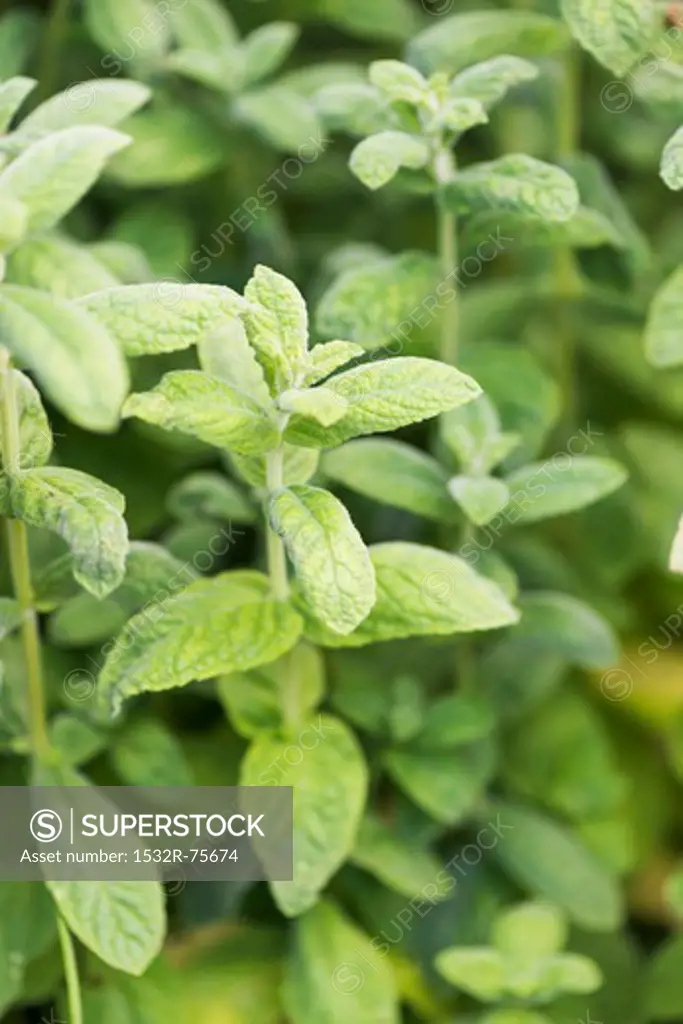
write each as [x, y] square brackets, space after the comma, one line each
[663, 340]
[489, 81]
[214, 627]
[52, 174]
[164, 317]
[87, 513]
[586, 229]
[554, 488]
[267, 48]
[324, 359]
[398, 81]
[519, 183]
[379, 158]
[277, 323]
[77, 363]
[393, 473]
[332, 564]
[447, 785]
[330, 785]
[454, 43]
[12, 94]
[35, 435]
[100, 101]
[320, 404]
[423, 592]
[616, 32]
[54, 264]
[336, 975]
[205, 407]
[385, 395]
[226, 353]
[671, 168]
[372, 304]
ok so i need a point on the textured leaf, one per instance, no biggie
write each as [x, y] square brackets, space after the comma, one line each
[447, 785]
[663, 336]
[165, 317]
[519, 183]
[672, 161]
[491, 80]
[56, 265]
[330, 784]
[100, 101]
[545, 489]
[332, 565]
[324, 359]
[586, 229]
[35, 435]
[453, 43]
[545, 858]
[379, 158]
[277, 323]
[205, 407]
[78, 365]
[267, 48]
[616, 32]
[480, 497]
[215, 626]
[423, 592]
[336, 975]
[52, 174]
[372, 304]
[393, 473]
[398, 81]
[12, 94]
[385, 395]
[226, 353]
[85, 512]
[320, 404]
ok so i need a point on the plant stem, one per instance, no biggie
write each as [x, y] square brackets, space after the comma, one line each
[55, 30]
[20, 567]
[277, 560]
[444, 168]
[73, 984]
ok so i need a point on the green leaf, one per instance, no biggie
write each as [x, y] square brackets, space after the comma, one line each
[335, 975]
[446, 784]
[215, 626]
[324, 359]
[204, 25]
[586, 229]
[222, 72]
[35, 435]
[100, 101]
[398, 81]
[172, 144]
[285, 120]
[373, 304]
[561, 485]
[76, 740]
[85, 512]
[663, 343]
[121, 25]
[332, 564]
[393, 473]
[454, 721]
[616, 32]
[531, 930]
[385, 395]
[205, 407]
[330, 785]
[423, 592]
[402, 865]
[384, 19]
[147, 753]
[319, 404]
[12, 95]
[480, 497]
[20, 30]
[451, 44]
[27, 931]
[267, 48]
[76, 362]
[379, 158]
[664, 982]
[205, 495]
[277, 324]
[123, 923]
[56, 265]
[300, 465]
[545, 858]
[52, 174]
[671, 168]
[473, 434]
[476, 970]
[516, 1017]
[147, 319]
[10, 616]
[518, 183]
[491, 80]
[225, 352]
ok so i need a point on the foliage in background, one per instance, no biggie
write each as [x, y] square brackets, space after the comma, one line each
[196, 471]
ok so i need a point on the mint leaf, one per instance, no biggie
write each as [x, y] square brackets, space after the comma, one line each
[320, 404]
[489, 81]
[379, 158]
[545, 489]
[226, 353]
[663, 342]
[12, 94]
[277, 324]
[56, 265]
[324, 359]
[101, 101]
[616, 32]
[480, 497]
[671, 168]
[266, 48]
[35, 435]
[518, 183]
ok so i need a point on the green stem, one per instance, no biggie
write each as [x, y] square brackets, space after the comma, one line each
[277, 560]
[20, 567]
[55, 32]
[444, 168]
[73, 984]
